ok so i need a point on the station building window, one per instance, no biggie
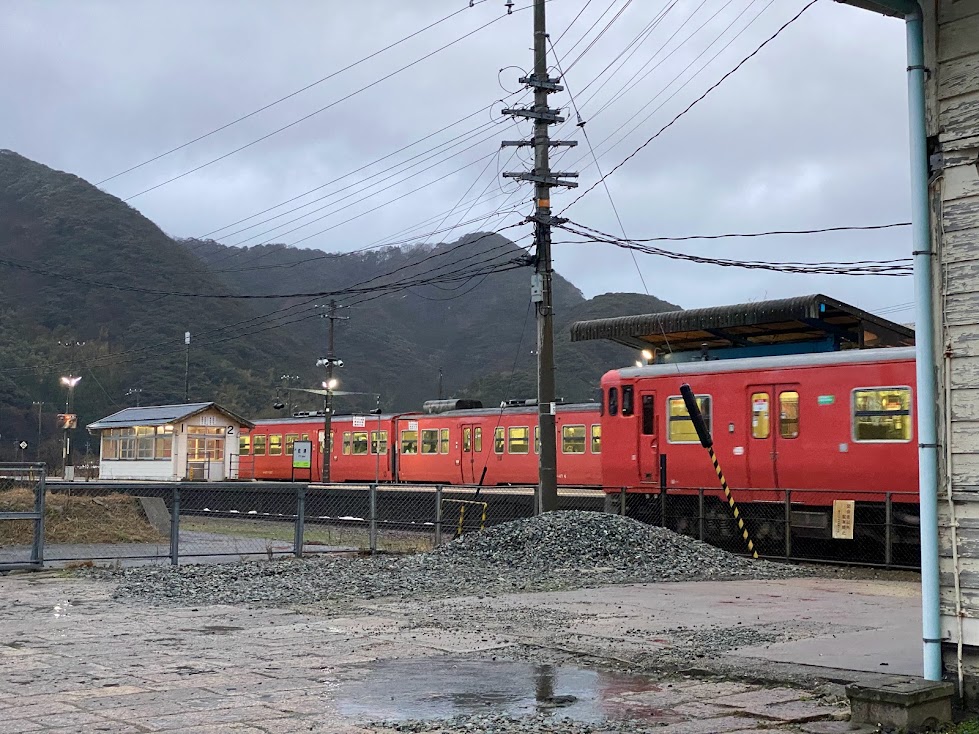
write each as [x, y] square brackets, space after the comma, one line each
[137, 443]
[518, 440]
[573, 439]
[681, 429]
[430, 441]
[409, 442]
[882, 414]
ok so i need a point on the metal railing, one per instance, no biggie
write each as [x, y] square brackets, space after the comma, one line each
[22, 502]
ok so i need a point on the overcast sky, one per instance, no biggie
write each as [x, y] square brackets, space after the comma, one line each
[810, 133]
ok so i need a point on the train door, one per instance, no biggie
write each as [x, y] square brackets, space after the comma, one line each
[648, 439]
[468, 452]
[774, 411]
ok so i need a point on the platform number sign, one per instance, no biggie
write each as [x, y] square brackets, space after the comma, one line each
[302, 454]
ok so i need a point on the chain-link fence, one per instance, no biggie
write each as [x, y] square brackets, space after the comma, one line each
[131, 524]
[22, 514]
[878, 529]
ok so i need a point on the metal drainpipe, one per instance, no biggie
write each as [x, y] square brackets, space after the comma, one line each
[925, 350]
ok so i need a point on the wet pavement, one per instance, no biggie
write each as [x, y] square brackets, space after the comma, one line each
[74, 659]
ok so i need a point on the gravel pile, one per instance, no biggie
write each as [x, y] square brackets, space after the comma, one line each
[498, 724]
[559, 550]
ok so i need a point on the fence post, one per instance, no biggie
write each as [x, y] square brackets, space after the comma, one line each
[662, 507]
[300, 521]
[623, 509]
[37, 549]
[700, 513]
[438, 515]
[175, 526]
[372, 499]
[788, 523]
[888, 535]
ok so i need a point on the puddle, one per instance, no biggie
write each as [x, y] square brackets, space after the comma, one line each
[436, 689]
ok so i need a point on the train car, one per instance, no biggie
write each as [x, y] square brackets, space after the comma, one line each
[467, 446]
[826, 426]
[497, 446]
[360, 448]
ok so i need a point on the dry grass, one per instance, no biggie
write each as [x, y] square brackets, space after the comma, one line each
[114, 518]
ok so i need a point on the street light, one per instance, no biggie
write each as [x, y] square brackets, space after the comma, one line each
[648, 355]
[331, 384]
[69, 382]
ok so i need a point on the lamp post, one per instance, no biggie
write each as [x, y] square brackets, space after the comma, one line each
[69, 382]
[329, 385]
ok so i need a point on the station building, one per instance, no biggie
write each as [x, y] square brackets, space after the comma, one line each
[194, 441]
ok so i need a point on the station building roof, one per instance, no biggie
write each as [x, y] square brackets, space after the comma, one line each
[161, 415]
[805, 323]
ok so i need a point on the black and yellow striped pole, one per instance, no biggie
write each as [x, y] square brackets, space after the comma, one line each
[703, 433]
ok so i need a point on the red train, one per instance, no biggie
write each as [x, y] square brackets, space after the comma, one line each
[464, 446]
[826, 426]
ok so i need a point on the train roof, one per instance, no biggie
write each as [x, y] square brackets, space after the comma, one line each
[507, 410]
[786, 361]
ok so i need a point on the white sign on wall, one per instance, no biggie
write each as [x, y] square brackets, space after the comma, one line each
[359, 421]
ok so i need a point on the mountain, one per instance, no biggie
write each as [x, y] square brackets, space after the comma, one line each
[86, 270]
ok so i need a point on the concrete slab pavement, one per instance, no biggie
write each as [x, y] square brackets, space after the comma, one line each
[73, 658]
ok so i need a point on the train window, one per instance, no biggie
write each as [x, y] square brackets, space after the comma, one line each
[648, 415]
[346, 443]
[381, 448]
[275, 444]
[444, 441]
[761, 420]
[681, 428]
[304, 437]
[291, 439]
[613, 400]
[596, 438]
[430, 441]
[258, 444]
[573, 439]
[788, 414]
[536, 439]
[478, 439]
[244, 446]
[358, 444]
[467, 439]
[627, 400]
[409, 442]
[498, 441]
[882, 414]
[518, 440]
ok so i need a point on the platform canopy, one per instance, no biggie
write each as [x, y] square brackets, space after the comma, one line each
[788, 325]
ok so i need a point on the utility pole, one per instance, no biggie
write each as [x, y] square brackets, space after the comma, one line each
[543, 179]
[440, 384]
[187, 368]
[330, 362]
[137, 391]
[37, 450]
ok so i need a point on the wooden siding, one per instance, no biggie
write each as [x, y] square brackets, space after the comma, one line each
[954, 119]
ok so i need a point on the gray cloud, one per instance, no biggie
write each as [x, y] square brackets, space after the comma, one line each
[811, 133]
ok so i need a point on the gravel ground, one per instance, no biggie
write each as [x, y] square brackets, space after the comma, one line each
[495, 724]
[555, 551]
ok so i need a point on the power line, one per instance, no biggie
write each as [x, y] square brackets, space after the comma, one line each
[821, 230]
[321, 109]
[694, 103]
[292, 94]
